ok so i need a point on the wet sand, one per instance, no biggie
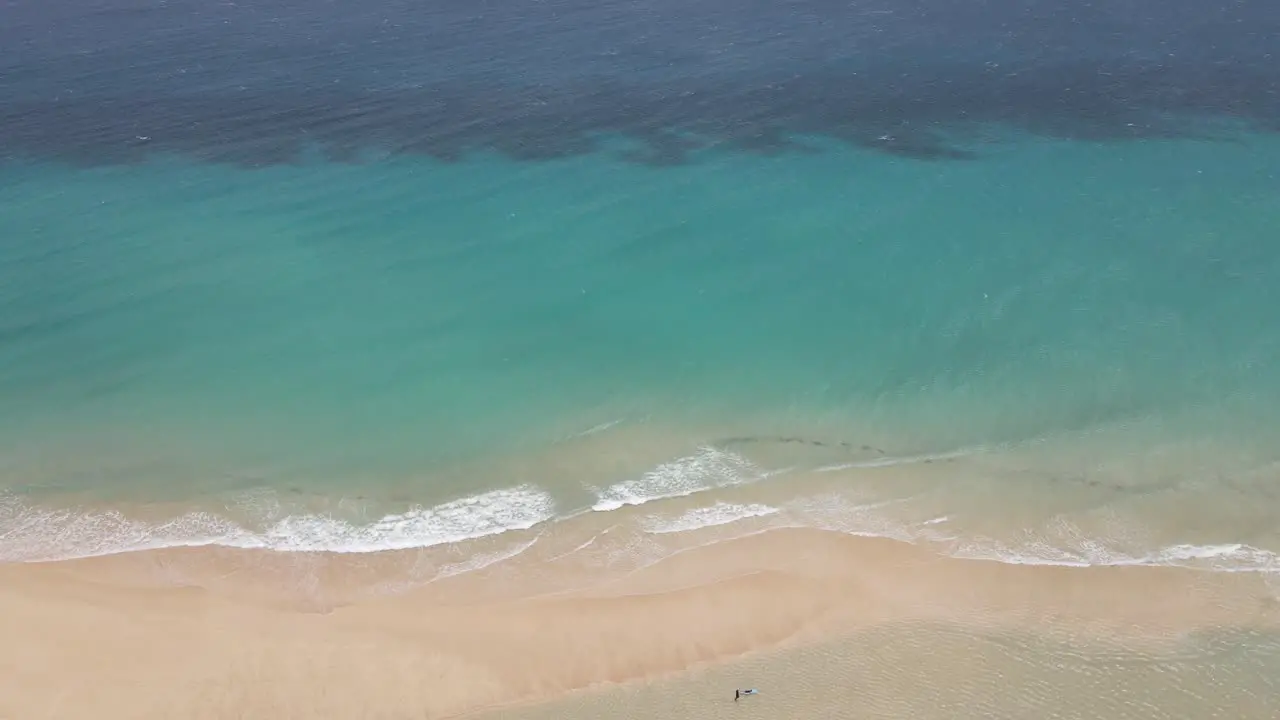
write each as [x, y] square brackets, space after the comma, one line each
[939, 670]
[825, 624]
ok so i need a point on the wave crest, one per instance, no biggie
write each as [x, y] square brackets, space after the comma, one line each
[34, 534]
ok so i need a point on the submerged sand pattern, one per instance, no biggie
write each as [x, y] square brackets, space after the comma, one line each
[1060, 579]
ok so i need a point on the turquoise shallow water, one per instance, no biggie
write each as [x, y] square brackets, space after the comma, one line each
[407, 329]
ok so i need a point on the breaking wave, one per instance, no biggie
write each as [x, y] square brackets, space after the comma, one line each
[30, 533]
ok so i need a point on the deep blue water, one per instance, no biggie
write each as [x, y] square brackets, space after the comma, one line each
[255, 82]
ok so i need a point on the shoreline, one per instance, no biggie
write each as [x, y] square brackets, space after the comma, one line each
[117, 632]
[1035, 507]
[702, 566]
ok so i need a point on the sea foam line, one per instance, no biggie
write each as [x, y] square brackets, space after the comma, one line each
[721, 513]
[891, 461]
[1228, 557]
[707, 469]
[33, 534]
[596, 429]
[835, 514]
[484, 560]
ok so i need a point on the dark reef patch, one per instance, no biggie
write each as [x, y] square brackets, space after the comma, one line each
[263, 82]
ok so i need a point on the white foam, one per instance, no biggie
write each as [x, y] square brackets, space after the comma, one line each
[484, 560]
[581, 546]
[1228, 557]
[1031, 554]
[596, 429]
[32, 534]
[1231, 557]
[472, 517]
[1063, 545]
[1204, 552]
[835, 513]
[704, 470]
[704, 517]
[903, 460]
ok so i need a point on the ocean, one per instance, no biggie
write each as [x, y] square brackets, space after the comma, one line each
[428, 257]
[483, 279]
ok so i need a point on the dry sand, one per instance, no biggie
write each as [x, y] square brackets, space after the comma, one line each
[826, 624]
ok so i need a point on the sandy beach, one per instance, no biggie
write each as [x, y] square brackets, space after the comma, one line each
[849, 626]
